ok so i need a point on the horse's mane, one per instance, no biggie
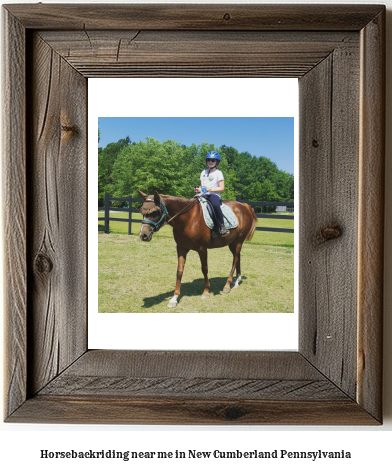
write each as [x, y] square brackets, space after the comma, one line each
[180, 199]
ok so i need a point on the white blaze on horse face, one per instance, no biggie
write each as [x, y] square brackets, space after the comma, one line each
[146, 232]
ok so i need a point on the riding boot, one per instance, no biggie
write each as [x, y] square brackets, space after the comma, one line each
[223, 230]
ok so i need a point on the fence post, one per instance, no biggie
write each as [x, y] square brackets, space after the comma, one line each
[130, 215]
[238, 198]
[107, 204]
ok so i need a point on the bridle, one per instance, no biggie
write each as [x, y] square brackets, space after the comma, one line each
[162, 221]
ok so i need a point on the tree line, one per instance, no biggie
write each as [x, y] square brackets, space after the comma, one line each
[174, 169]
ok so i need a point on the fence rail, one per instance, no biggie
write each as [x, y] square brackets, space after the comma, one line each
[131, 209]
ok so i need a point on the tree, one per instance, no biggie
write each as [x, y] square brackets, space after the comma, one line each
[106, 159]
[149, 166]
[174, 169]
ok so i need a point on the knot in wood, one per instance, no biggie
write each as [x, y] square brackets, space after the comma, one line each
[69, 129]
[232, 413]
[328, 233]
[315, 143]
[227, 16]
[43, 264]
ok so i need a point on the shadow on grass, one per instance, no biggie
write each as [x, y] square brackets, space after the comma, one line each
[194, 288]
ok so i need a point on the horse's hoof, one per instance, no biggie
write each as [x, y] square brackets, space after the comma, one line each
[226, 290]
[173, 302]
[204, 296]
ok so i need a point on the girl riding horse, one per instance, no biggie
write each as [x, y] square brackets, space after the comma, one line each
[212, 184]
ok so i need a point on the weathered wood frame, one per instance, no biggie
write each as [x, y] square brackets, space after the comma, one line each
[337, 52]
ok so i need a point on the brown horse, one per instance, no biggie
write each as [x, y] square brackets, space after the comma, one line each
[191, 233]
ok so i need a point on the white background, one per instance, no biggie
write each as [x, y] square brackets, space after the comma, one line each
[185, 98]
[370, 446]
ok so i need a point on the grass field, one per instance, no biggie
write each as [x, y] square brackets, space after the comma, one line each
[139, 277]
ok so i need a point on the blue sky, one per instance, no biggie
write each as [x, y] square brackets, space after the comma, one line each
[272, 137]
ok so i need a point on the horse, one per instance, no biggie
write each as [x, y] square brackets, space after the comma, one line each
[190, 232]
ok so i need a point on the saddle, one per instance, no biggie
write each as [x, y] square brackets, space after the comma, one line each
[229, 217]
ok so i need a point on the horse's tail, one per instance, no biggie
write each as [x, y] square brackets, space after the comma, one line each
[253, 226]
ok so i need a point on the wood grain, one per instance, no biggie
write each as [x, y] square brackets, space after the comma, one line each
[335, 378]
[124, 53]
[57, 246]
[14, 209]
[329, 137]
[103, 409]
[208, 364]
[371, 215]
[208, 375]
[192, 387]
[195, 17]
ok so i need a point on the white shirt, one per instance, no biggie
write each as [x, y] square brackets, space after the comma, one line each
[211, 180]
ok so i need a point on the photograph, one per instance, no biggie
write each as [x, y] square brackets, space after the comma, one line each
[233, 308]
[208, 201]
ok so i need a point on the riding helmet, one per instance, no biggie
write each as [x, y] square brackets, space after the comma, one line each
[213, 154]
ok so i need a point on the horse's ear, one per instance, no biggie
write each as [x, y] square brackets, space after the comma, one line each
[157, 198]
[142, 194]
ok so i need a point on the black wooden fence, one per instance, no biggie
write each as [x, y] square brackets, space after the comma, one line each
[130, 209]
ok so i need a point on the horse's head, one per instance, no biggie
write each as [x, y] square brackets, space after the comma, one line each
[153, 215]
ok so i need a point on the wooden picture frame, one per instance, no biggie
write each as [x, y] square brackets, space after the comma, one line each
[337, 52]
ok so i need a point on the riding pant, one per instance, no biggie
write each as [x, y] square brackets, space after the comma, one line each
[216, 202]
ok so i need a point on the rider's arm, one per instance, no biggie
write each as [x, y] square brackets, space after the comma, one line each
[219, 189]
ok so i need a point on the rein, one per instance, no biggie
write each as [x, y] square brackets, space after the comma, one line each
[158, 225]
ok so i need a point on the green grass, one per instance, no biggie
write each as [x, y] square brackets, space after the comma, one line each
[137, 277]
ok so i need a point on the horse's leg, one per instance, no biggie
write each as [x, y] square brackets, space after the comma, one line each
[181, 253]
[204, 269]
[238, 269]
[235, 248]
